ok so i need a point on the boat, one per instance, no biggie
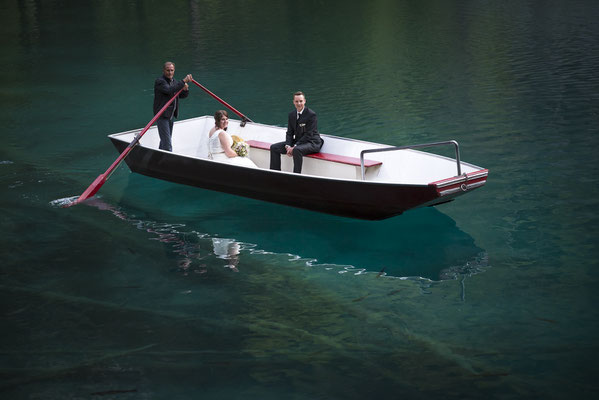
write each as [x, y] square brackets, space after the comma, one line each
[350, 178]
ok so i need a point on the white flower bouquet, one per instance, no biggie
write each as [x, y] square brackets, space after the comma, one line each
[239, 146]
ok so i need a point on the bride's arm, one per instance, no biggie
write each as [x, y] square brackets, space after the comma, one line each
[226, 142]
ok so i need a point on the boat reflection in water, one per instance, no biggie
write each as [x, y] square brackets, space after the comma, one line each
[422, 244]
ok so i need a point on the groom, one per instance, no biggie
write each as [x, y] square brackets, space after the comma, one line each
[302, 136]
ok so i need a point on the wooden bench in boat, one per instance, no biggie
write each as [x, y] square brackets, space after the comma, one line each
[353, 162]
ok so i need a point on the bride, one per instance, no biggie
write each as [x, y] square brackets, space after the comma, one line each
[220, 142]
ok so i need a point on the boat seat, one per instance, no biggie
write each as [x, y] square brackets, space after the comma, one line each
[347, 167]
[322, 156]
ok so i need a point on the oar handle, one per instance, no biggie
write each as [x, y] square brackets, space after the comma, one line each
[230, 107]
[99, 181]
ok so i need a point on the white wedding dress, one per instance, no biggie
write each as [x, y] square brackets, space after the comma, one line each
[216, 152]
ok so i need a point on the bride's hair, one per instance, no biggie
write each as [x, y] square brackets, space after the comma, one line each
[219, 115]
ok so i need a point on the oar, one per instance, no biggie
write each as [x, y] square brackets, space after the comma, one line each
[244, 119]
[97, 184]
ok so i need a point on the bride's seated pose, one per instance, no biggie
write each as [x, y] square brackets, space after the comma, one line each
[220, 142]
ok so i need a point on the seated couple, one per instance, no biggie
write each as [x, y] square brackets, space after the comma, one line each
[220, 142]
[301, 139]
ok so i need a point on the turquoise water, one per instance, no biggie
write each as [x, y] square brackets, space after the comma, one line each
[491, 296]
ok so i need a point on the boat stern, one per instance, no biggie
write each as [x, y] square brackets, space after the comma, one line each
[449, 188]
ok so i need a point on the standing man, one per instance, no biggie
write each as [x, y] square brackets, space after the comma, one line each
[302, 136]
[165, 88]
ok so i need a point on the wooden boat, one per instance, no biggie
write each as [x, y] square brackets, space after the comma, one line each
[350, 178]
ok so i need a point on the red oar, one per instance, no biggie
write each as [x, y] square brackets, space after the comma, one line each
[97, 184]
[244, 119]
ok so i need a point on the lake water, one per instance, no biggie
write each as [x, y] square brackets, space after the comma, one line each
[136, 296]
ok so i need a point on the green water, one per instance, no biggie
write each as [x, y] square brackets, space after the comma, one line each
[491, 296]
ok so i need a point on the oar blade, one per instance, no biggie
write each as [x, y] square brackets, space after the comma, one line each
[92, 189]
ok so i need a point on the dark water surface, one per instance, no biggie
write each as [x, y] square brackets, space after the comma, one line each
[137, 295]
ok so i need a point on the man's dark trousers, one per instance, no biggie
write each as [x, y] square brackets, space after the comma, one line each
[165, 131]
[298, 155]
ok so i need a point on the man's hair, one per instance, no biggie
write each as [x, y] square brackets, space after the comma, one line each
[168, 63]
[299, 93]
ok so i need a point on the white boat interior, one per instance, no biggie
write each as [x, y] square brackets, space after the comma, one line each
[405, 166]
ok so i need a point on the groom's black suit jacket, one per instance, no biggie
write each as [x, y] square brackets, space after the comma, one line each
[302, 130]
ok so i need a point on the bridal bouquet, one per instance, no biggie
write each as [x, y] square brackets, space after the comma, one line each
[239, 146]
